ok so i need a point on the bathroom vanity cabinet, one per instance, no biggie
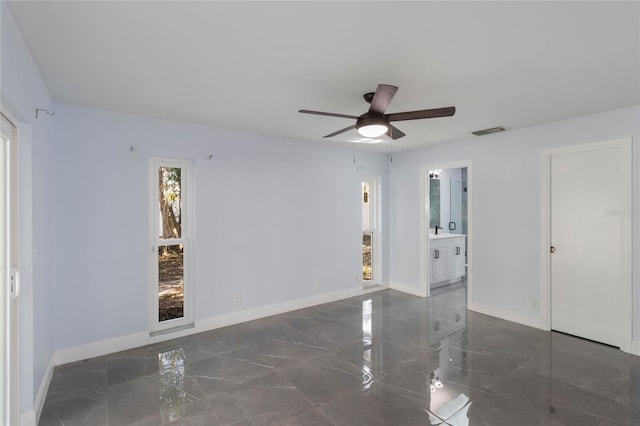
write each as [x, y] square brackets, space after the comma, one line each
[447, 257]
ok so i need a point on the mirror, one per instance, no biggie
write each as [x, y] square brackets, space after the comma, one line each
[434, 202]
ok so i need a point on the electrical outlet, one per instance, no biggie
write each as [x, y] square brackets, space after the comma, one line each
[318, 285]
[238, 300]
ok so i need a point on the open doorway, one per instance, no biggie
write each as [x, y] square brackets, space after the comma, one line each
[446, 228]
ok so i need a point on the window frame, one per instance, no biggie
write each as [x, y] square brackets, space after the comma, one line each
[186, 240]
[374, 227]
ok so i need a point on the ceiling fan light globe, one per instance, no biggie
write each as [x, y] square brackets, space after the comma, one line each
[373, 130]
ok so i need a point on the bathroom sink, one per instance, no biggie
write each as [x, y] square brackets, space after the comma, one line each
[440, 236]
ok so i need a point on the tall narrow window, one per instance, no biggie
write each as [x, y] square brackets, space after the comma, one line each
[368, 231]
[170, 243]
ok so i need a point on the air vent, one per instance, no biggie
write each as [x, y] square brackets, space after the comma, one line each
[489, 131]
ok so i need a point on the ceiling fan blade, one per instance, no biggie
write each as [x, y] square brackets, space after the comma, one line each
[423, 113]
[346, 129]
[395, 133]
[328, 114]
[382, 98]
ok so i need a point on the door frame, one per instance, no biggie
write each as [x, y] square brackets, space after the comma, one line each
[626, 290]
[425, 290]
[11, 345]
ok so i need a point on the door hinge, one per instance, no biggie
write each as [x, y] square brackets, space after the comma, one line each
[14, 284]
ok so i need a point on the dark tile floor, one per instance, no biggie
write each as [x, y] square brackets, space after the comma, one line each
[383, 359]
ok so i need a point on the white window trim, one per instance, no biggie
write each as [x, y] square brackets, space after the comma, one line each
[186, 197]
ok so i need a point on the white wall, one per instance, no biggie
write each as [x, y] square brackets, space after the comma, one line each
[22, 91]
[307, 227]
[507, 215]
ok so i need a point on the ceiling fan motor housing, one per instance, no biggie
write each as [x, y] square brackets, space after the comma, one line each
[368, 97]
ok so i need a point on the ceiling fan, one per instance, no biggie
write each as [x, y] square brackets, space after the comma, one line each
[375, 122]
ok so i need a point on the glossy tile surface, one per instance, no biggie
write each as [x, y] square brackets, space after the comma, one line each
[382, 359]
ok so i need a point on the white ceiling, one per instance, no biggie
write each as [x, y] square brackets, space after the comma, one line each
[252, 65]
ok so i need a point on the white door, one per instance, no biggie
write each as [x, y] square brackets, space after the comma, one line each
[586, 237]
[8, 272]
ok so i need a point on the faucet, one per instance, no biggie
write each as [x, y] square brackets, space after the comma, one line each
[438, 227]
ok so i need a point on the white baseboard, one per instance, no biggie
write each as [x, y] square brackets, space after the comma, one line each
[535, 322]
[506, 314]
[38, 403]
[131, 341]
[28, 419]
[104, 347]
[31, 418]
[409, 289]
[279, 308]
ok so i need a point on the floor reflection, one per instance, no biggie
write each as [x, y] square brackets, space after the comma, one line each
[376, 360]
[455, 411]
[173, 399]
[371, 345]
[446, 403]
[367, 325]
